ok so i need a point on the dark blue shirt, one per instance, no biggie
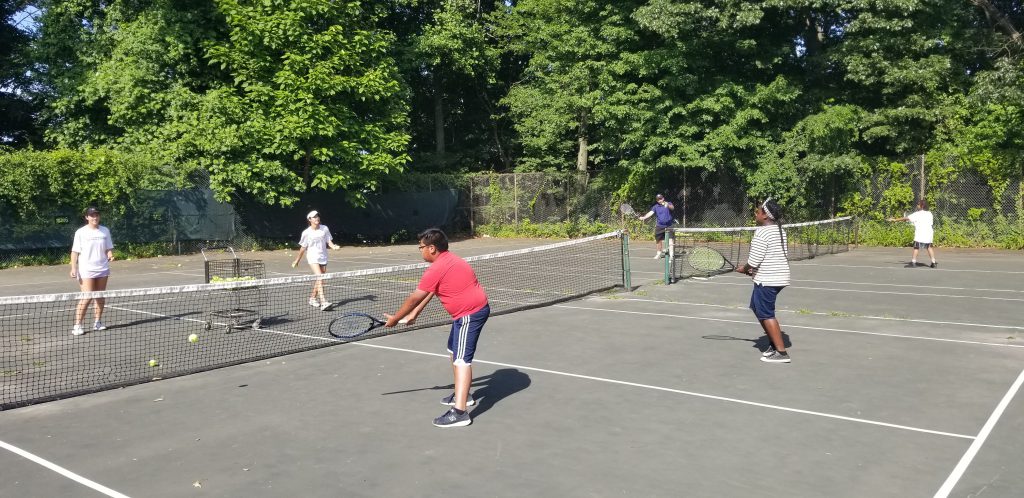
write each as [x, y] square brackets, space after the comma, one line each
[663, 215]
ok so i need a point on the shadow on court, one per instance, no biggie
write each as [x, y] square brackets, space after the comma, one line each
[487, 390]
[761, 343]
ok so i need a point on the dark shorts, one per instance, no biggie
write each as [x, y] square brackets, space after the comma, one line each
[922, 245]
[464, 334]
[659, 233]
[762, 301]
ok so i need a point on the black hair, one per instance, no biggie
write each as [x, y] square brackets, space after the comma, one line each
[434, 237]
[775, 211]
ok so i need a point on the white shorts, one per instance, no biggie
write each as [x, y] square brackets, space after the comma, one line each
[83, 274]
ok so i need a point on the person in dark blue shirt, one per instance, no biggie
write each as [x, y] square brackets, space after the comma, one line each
[662, 211]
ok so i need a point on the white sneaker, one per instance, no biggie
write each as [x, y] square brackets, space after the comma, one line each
[313, 302]
[324, 305]
[77, 330]
[99, 326]
[657, 255]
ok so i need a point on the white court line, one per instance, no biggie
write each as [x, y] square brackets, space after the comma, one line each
[187, 274]
[915, 286]
[70, 280]
[911, 294]
[634, 384]
[979, 440]
[62, 471]
[871, 317]
[891, 267]
[687, 393]
[788, 326]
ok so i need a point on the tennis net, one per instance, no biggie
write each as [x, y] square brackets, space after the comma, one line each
[242, 319]
[688, 253]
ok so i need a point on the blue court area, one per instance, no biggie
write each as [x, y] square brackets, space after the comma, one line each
[904, 382]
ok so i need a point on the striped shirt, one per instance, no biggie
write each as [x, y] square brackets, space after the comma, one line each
[767, 255]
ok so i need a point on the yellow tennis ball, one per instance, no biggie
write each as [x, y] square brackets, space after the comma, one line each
[153, 363]
[193, 338]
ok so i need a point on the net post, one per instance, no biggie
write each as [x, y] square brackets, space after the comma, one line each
[627, 280]
[669, 255]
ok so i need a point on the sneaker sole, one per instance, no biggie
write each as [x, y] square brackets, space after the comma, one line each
[471, 402]
[461, 423]
[766, 360]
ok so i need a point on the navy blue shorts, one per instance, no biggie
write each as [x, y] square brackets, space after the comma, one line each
[659, 232]
[762, 301]
[922, 245]
[464, 334]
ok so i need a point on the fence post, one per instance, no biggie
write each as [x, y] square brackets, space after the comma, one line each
[515, 197]
[627, 274]
[923, 180]
[472, 212]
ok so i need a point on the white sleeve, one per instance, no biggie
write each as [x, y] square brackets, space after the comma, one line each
[108, 241]
[327, 234]
[76, 245]
[758, 250]
[304, 239]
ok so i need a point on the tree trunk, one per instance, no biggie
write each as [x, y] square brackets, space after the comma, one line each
[814, 36]
[438, 115]
[999, 21]
[581, 154]
[506, 161]
[306, 173]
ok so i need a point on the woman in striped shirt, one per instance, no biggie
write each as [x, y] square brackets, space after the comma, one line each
[768, 264]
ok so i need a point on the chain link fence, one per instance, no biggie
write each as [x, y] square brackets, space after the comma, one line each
[700, 198]
[969, 211]
[537, 197]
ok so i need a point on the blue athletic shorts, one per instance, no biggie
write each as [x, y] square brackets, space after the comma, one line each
[922, 245]
[464, 334]
[762, 301]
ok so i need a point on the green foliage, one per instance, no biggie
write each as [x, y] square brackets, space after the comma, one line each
[271, 98]
[314, 103]
[580, 227]
[819, 103]
[1000, 234]
[41, 181]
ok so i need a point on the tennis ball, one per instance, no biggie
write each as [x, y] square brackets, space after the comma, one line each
[193, 338]
[153, 363]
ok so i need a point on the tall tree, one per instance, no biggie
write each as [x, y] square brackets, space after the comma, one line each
[572, 91]
[272, 98]
[316, 102]
[17, 127]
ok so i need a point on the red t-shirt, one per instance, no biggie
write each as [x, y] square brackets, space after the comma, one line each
[455, 283]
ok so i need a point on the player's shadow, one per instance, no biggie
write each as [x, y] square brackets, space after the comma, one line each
[490, 389]
[761, 343]
[486, 390]
[344, 302]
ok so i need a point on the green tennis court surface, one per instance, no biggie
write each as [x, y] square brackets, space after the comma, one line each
[898, 376]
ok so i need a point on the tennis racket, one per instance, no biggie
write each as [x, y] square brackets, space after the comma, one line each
[351, 325]
[707, 260]
[626, 209]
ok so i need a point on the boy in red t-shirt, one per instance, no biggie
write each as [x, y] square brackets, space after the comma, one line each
[455, 283]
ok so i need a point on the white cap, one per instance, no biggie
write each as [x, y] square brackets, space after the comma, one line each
[312, 214]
